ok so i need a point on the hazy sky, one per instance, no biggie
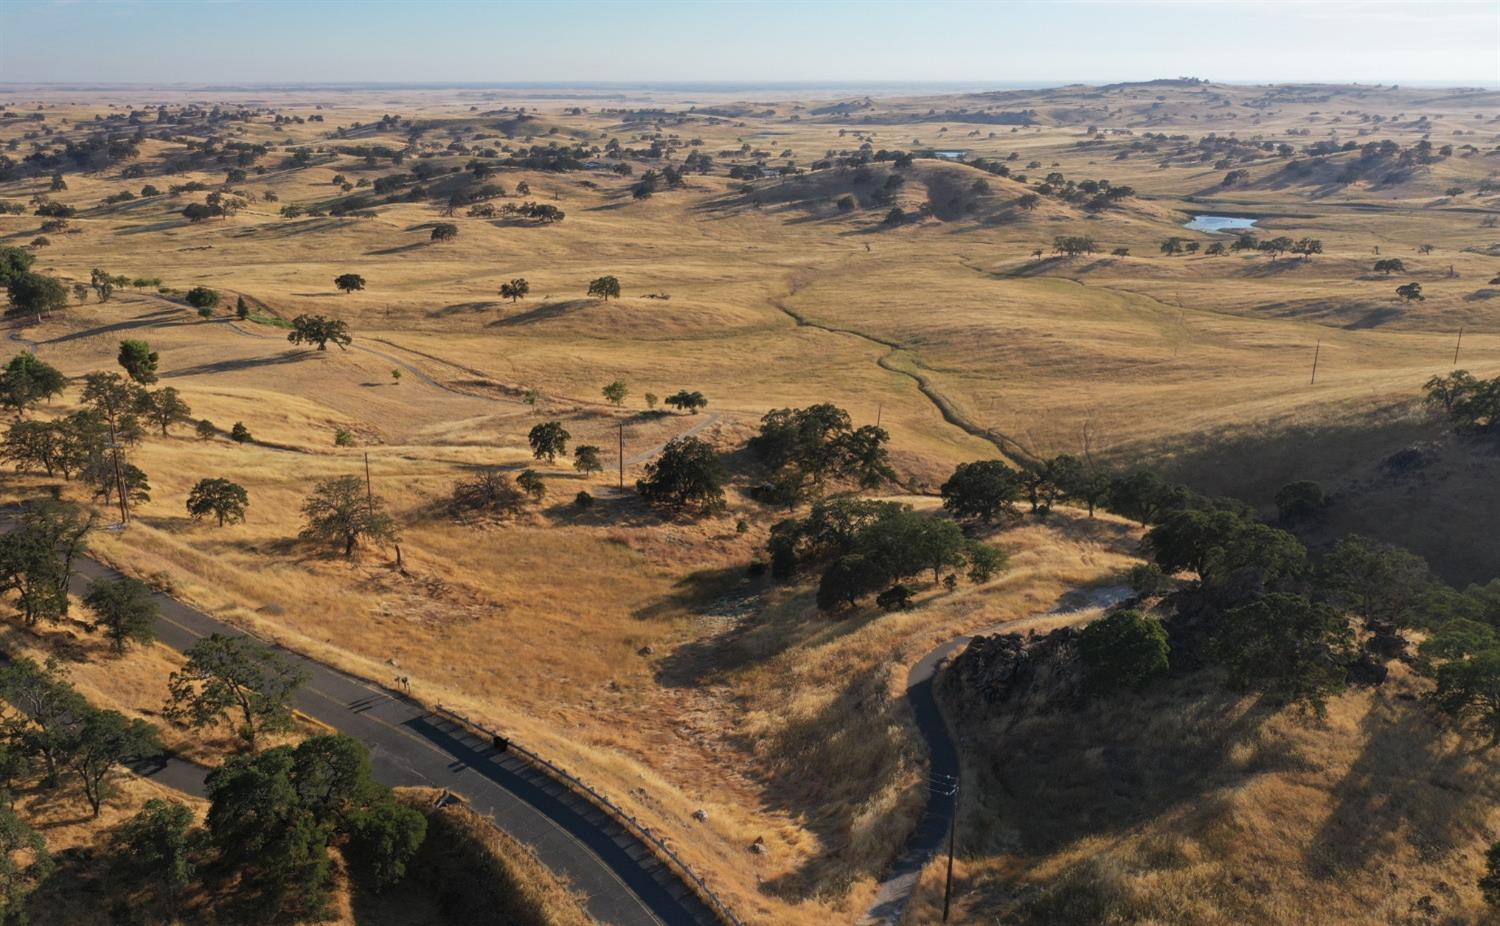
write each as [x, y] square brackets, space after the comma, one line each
[252, 41]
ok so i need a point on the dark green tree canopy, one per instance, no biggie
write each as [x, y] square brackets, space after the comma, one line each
[138, 360]
[684, 400]
[320, 330]
[983, 491]
[125, 609]
[549, 441]
[233, 677]
[35, 294]
[1125, 649]
[349, 282]
[26, 380]
[515, 289]
[1285, 645]
[202, 298]
[688, 476]
[604, 288]
[218, 498]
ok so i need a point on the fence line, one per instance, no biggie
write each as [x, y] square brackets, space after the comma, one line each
[610, 807]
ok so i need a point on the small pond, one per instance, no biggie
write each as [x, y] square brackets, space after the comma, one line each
[950, 155]
[1220, 223]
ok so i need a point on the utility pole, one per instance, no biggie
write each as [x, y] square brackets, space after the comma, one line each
[114, 453]
[952, 836]
[622, 454]
[1316, 351]
[1458, 345]
[369, 486]
[879, 408]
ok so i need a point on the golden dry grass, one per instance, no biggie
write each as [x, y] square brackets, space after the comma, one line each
[779, 723]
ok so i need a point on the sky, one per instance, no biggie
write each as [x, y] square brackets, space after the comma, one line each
[1452, 42]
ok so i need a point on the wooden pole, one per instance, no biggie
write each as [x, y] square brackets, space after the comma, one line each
[1458, 345]
[114, 453]
[952, 836]
[622, 454]
[369, 486]
[1316, 351]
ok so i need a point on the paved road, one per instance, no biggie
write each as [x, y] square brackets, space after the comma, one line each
[624, 883]
[932, 828]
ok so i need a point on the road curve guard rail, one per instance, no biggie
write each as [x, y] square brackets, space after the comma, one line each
[584, 790]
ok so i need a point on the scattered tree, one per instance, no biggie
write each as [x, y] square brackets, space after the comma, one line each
[35, 294]
[349, 282]
[26, 380]
[125, 609]
[515, 289]
[224, 500]
[604, 288]
[163, 407]
[548, 441]
[686, 401]
[343, 513]
[688, 476]
[320, 330]
[139, 361]
[532, 484]
[1125, 649]
[233, 677]
[586, 459]
[984, 491]
[616, 392]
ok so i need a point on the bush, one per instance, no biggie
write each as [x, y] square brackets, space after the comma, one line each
[687, 476]
[1146, 579]
[489, 492]
[1124, 649]
[583, 500]
[1285, 645]
[896, 598]
[1297, 502]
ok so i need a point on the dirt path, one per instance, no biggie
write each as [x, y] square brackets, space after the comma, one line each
[896, 888]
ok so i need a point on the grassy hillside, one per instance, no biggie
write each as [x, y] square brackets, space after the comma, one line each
[1190, 805]
[634, 648]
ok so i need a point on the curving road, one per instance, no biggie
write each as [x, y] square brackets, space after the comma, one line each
[900, 881]
[623, 882]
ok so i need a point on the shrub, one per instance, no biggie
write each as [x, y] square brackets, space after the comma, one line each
[1124, 649]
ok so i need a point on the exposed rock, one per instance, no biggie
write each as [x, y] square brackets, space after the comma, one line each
[1009, 666]
[1387, 642]
[1367, 670]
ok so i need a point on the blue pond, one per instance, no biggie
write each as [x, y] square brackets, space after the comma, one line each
[1220, 223]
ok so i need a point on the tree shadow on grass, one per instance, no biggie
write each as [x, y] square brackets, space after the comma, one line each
[1413, 784]
[1040, 776]
[832, 768]
[541, 313]
[238, 363]
[156, 319]
[399, 249]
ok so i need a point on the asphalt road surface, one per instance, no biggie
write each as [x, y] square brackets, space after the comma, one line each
[624, 883]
